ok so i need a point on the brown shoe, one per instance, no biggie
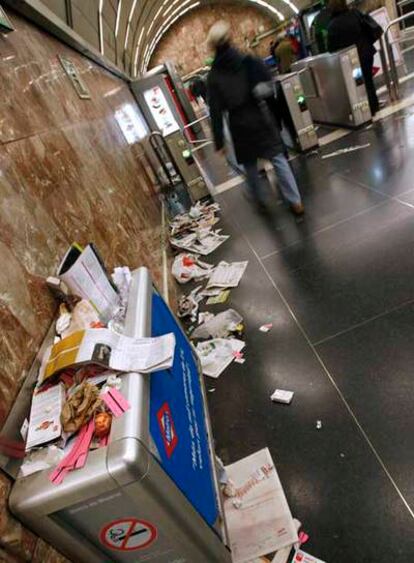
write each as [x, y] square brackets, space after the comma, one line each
[297, 208]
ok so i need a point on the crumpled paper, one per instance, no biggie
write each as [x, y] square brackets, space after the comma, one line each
[80, 407]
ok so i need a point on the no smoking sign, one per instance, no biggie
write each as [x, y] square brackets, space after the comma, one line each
[128, 534]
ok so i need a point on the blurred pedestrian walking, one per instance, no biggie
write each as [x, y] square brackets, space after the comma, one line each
[241, 85]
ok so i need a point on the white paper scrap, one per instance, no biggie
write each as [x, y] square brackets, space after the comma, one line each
[346, 150]
[302, 557]
[263, 523]
[227, 275]
[266, 327]
[281, 396]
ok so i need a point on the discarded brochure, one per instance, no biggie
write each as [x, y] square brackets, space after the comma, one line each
[222, 297]
[346, 150]
[302, 557]
[215, 355]
[104, 347]
[187, 267]
[262, 523]
[227, 275]
[218, 326]
[83, 273]
[44, 422]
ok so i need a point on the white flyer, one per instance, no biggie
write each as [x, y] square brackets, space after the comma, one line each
[302, 557]
[44, 423]
[85, 276]
[227, 275]
[258, 517]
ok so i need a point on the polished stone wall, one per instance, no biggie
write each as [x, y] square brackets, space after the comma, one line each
[185, 42]
[70, 170]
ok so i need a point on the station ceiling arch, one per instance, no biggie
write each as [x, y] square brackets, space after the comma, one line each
[123, 34]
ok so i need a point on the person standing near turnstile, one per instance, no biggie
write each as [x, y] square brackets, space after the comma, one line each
[237, 84]
[351, 27]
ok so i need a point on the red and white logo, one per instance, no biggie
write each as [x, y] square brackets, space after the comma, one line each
[167, 428]
[128, 534]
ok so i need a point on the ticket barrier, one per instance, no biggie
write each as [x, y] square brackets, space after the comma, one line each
[167, 109]
[298, 131]
[150, 495]
[334, 88]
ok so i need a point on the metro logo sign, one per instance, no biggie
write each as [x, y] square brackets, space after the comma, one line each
[167, 428]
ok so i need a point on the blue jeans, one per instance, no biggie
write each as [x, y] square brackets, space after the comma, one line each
[285, 179]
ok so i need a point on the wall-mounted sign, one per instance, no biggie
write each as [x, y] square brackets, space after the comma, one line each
[5, 23]
[75, 78]
[132, 123]
[161, 111]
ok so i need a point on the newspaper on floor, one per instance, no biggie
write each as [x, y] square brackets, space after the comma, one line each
[215, 355]
[227, 275]
[258, 517]
[218, 326]
[109, 349]
[187, 267]
[84, 274]
[202, 242]
[44, 421]
[201, 215]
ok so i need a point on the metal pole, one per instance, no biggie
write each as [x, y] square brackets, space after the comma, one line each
[385, 68]
[393, 69]
[394, 90]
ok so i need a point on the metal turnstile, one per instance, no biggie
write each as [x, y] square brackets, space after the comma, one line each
[297, 127]
[162, 99]
[334, 88]
[151, 494]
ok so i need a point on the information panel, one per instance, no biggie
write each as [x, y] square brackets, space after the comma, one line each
[177, 419]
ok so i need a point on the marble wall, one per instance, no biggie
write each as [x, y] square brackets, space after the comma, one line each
[185, 42]
[70, 169]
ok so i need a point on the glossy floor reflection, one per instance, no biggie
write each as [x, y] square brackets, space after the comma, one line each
[338, 288]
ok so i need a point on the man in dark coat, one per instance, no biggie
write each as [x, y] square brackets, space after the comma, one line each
[241, 86]
[345, 29]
